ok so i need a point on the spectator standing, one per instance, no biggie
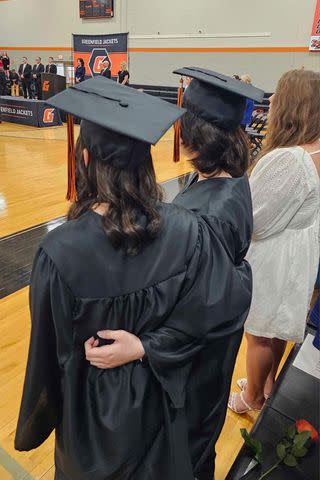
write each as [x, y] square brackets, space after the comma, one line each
[25, 72]
[123, 74]
[37, 70]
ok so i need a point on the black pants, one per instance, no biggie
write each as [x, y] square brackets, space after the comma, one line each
[3, 88]
[26, 87]
[37, 84]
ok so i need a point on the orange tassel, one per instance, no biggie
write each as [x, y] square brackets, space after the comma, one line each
[71, 193]
[176, 141]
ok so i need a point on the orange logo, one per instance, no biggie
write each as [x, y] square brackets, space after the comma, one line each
[46, 86]
[48, 115]
[97, 64]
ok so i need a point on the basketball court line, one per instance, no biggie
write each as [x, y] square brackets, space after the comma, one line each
[13, 467]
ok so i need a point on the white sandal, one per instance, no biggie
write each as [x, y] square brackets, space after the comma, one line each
[232, 404]
[242, 384]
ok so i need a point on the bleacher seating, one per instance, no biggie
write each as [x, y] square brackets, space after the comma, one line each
[257, 131]
[170, 94]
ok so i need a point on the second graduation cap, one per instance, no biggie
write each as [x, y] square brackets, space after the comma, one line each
[103, 105]
[217, 98]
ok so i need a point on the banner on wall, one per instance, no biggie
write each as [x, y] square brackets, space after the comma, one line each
[95, 49]
[315, 35]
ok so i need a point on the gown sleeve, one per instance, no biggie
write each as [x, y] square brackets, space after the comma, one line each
[50, 308]
[279, 187]
[204, 313]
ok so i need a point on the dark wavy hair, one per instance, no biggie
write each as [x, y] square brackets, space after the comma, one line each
[132, 219]
[81, 61]
[214, 149]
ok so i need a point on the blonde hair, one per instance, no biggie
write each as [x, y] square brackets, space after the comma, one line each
[124, 64]
[294, 117]
[246, 79]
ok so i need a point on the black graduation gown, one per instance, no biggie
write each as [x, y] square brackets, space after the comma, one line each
[225, 206]
[129, 422]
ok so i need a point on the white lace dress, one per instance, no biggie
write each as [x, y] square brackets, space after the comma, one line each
[284, 253]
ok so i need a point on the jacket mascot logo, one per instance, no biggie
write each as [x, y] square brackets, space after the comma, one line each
[98, 55]
[48, 115]
[46, 86]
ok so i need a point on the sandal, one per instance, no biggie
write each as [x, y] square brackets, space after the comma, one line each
[232, 404]
[242, 384]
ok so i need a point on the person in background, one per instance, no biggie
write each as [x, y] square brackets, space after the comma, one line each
[80, 74]
[51, 67]
[37, 70]
[249, 103]
[188, 80]
[219, 190]
[14, 81]
[6, 63]
[106, 72]
[3, 82]
[123, 74]
[25, 72]
[284, 253]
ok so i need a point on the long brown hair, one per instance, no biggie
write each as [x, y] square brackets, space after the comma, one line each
[294, 117]
[132, 218]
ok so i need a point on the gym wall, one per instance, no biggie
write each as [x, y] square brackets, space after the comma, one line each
[232, 36]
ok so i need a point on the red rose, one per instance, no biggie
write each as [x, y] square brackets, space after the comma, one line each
[304, 426]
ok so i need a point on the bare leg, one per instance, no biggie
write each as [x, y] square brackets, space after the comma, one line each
[259, 365]
[278, 348]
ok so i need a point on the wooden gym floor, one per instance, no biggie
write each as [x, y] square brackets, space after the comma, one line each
[32, 191]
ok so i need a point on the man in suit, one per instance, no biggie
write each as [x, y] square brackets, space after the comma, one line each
[25, 72]
[106, 72]
[38, 68]
[51, 67]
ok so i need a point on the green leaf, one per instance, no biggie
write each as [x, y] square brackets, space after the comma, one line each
[286, 443]
[258, 457]
[253, 444]
[299, 452]
[245, 435]
[291, 431]
[290, 461]
[281, 451]
[301, 439]
[256, 445]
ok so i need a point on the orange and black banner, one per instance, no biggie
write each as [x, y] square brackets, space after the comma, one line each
[95, 49]
[315, 34]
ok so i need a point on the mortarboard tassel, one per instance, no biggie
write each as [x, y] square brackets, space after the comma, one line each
[176, 144]
[71, 193]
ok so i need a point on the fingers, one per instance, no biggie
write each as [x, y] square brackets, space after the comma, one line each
[110, 334]
[89, 344]
[99, 354]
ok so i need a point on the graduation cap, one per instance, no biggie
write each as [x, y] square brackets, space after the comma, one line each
[103, 105]
[217, 98]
